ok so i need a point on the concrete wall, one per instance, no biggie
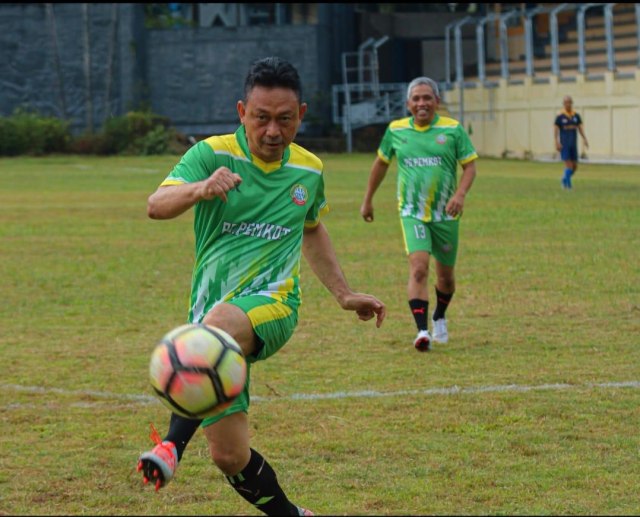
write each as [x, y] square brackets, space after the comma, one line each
[85, 62]
[197, 75]
[45, 65]
[517, 120]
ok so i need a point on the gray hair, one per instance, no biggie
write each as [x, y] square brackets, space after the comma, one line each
[423, 80]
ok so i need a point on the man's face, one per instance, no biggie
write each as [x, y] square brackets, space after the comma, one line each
[422, 104]
[568, 104]
[271, 117]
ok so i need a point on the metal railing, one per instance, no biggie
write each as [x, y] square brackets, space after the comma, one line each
[528, 37]
[638, 31]
[391, 102]
[555, 37]
[528, 17]
[480, 42]
[582, 60]
[386, 103]
[608, 24]
[504, 42]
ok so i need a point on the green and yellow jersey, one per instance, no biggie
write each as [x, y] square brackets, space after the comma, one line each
[252, 243]
[428, 159]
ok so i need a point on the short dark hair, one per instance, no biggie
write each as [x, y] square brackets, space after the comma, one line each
[273, 72]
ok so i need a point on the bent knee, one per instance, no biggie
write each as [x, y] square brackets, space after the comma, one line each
[446, 285]
[419, 276]
[229, 462]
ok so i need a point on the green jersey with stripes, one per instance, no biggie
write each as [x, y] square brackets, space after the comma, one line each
[428, 160]
[252, 243]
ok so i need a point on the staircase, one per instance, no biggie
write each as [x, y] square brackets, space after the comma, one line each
[362, 100]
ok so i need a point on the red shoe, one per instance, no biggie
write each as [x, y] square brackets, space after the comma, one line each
[159, 464]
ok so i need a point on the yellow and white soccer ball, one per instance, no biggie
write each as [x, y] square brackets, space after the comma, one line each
[197, 370]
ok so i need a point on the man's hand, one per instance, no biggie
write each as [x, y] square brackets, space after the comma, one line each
[219, 183]
[366, 211]
[365, 306]
[455, 204]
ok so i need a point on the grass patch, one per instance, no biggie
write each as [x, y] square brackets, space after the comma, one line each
[532, 407]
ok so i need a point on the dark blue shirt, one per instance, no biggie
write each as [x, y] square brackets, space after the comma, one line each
[568, 124]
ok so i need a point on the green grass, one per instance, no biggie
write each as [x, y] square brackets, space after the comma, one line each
[532, 407]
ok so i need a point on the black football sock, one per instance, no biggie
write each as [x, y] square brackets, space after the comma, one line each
[181, 430]
[419, 309]
[442, 304]
[258, 484]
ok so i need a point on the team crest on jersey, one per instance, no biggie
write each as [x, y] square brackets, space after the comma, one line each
[299, 194]
[441, 139]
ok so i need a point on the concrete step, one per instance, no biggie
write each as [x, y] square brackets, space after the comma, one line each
[594, 68]
[520, 75]
[623, 58]
[619, 30]
[624, 42]
[619, 17]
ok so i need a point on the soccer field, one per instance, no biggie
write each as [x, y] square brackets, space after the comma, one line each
[531, 408]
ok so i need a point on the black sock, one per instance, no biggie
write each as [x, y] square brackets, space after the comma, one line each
[181, 430]
[419, 309]
[442, 304]
[258, 484]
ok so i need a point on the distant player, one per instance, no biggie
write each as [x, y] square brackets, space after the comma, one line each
[566, 127]
[429, 148]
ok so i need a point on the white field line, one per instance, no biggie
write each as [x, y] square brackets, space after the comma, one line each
[453, 390]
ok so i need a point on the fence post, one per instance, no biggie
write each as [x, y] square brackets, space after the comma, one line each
[459, 64]
[86, 52]
[56, 60]
[608, 23]
[555, 43]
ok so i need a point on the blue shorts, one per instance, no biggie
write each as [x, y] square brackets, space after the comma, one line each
[569, 153]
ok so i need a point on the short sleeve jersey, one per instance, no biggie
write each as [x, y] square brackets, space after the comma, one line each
[252, 243]
[428, 159]
[568, 124]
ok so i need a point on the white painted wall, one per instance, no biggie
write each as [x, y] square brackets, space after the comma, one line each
[517, 120]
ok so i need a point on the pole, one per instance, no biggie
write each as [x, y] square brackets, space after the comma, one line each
[110, 60]
[87, 68]
[56, 60]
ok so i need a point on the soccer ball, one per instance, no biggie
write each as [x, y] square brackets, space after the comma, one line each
[197, 370]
